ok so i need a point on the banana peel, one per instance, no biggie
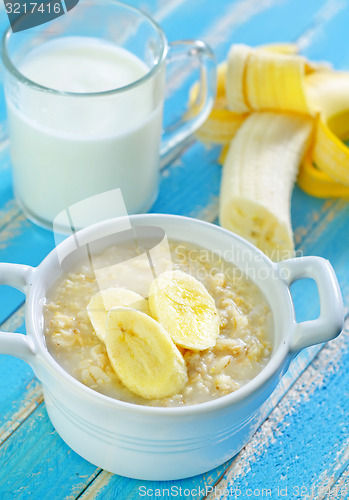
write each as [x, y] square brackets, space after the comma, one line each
[319, 184]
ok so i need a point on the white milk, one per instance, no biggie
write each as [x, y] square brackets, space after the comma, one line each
[66, 148]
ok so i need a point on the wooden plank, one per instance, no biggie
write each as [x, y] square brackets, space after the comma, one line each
[329, 240]
[325, 36]
[331, 481]
[34, 457]
[22, 392]
[341, 488]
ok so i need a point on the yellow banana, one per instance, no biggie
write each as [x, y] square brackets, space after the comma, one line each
[317, 183]
[329, 93]
[105, 300]
[184, 307]
[258, 177]
[143, 355]
[223, 154]
[330, 154]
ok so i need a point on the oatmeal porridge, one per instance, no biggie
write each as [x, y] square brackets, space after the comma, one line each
[232, 355]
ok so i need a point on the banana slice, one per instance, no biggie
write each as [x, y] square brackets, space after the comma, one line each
[143, 355]
[184, 307]
[105, 300]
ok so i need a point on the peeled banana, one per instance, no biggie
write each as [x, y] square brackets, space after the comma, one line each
[143, 355]
[186, 310]
[258, 177]
[105, 300]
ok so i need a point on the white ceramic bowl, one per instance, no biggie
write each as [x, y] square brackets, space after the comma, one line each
[168, 443]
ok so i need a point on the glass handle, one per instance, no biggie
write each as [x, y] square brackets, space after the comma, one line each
[202, 107]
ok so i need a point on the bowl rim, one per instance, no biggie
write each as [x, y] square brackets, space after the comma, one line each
[43, 358]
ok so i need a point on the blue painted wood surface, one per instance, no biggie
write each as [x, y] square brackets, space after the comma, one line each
[302, 448]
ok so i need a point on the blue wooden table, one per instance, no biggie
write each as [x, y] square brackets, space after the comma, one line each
[302, 448]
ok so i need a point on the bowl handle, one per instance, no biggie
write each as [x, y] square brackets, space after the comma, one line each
[16, 344]
[330, 322]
